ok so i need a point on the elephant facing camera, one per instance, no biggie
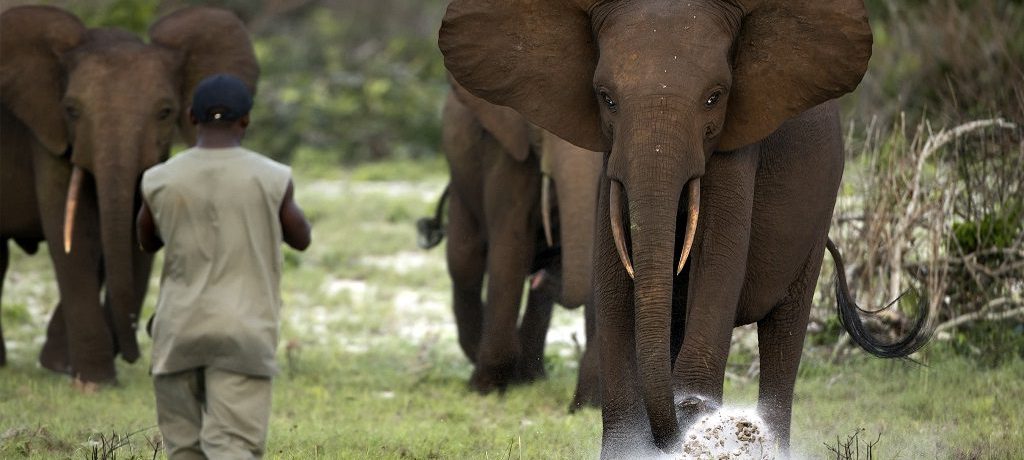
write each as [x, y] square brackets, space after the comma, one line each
[429, 232]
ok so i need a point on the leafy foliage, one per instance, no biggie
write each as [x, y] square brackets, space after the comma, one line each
[132, 15]
[945, 60]
[360, 97]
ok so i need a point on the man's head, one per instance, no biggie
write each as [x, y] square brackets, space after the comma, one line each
[221, 100]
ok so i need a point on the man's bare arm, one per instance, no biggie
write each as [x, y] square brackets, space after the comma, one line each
[294, 226]
[149, 236]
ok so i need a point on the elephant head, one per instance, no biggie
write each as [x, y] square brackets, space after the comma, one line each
[660, 85]
[109, 105]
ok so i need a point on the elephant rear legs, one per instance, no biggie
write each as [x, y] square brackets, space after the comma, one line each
[488, 332]
[467, 260]
[780, 338]
[492, 224]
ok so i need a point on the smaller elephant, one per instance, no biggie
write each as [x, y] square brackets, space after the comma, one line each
[84, 112]
[521, 208]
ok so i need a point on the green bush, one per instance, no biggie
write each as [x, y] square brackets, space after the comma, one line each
[947, 61]
[996, 230]
[350, 98]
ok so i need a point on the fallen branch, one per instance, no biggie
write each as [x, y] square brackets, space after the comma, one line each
[986, 313]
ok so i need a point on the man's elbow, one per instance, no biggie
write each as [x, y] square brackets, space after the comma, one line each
[150, 244]
[299, 239]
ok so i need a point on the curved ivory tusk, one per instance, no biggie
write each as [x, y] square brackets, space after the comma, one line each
[545, 208]
[615, 208]
[691, 223]
[72, 204]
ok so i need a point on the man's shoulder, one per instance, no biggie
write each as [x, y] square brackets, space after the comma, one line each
[262, 161]
[176, 161]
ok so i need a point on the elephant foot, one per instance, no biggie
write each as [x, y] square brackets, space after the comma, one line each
[85, 387]
[692, 407]
[585, 396]
[88, 387]
[58, 362]
[530, 370]
[54, 360]
[488, 380]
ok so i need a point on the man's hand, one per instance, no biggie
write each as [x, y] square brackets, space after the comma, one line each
[148, 235]
[294, 226]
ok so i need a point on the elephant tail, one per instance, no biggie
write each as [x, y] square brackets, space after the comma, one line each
[430, 230]
[849, 317]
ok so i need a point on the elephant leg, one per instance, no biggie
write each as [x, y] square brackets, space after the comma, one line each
[588, 380]
[780, 338]
[89, 341]
[716, 276]
[467, 259]
[511, 220]
[55, 354]
[143, 263]
[84, 330]
[533, 328]
[623, 415]
[499, 345]
[4, 259]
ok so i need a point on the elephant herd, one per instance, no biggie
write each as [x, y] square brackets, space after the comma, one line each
[672, 166]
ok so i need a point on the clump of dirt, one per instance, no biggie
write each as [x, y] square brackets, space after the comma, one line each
[728, 434]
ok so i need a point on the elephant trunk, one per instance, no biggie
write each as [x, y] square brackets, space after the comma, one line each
[652, 224]
[116, 196]
[649, 169]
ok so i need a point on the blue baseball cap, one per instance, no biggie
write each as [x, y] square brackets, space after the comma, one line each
[221, 97]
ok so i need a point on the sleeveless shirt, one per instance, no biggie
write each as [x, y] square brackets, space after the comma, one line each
[217, 211]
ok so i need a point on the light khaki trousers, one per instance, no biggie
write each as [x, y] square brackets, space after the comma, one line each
[212, 413]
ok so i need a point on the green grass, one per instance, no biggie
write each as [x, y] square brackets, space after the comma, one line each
[371, 368]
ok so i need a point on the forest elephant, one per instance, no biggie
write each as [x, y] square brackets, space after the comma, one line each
[85, 112]
[723, 161]
[521, 208]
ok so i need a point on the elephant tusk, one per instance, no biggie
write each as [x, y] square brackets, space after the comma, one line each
[545, 208]
[691, 223]
[72, 204]
[615, 208]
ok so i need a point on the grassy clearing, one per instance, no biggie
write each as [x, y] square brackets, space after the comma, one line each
[371, 368]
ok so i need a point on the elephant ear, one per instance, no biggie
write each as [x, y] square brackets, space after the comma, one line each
[789, 57]
[535, 56]
[212, 41]
[33, 41]
[506, 125]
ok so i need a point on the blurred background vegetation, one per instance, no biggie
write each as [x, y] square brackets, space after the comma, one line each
[342, 81]
[348, 82]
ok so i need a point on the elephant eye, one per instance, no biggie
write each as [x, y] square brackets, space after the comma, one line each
[608, 101]
[713, 99]
[163, 114]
